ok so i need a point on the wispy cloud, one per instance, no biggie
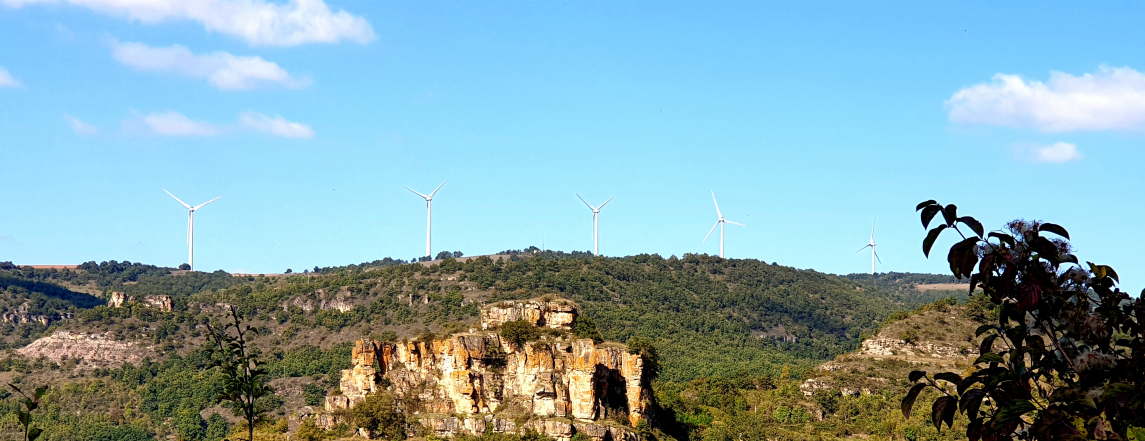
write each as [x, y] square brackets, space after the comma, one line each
[277, 126]
[81, 127]
[221, 69]
[7, 80]
[1056, 153]
[1109, 99]
[258, 22]
[172, 123]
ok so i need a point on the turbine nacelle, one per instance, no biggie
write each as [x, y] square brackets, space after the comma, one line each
[190, 226]
[719, 223]
[595, 229]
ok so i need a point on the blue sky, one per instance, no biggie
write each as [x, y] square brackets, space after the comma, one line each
[807, 119]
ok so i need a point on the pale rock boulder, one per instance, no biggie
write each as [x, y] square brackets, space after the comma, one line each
[557, 383]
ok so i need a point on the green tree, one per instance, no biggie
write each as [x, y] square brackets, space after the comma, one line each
[309, 431]
[585, 328]
[189, 425]
[1064, 359]
[244, 382]
[217, 427]
[518, 332]
[380, 416]
[313, 394]
[644, 347]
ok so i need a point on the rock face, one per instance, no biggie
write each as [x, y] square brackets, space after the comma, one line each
[96, 350]
[887, 347]
[554, 314]
[162, 303]
[485, 382]
[117, 299]
[21, 315]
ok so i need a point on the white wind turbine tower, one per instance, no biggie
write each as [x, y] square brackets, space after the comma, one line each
[191, 227]
[595, 224]
[720, 223]
[428, 213]
[872, 246]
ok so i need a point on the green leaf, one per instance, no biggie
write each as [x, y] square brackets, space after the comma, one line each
[40, 392]
[987, 344]
[963, 257]
[1103, 271]
[973, 224]
[950, 213]
[1054, 228]
[971, 401]
[1003, 237]
[1136, 433]
[928, 214]
[932, 236]
[34, 433]
[943, 411]
[1013, 409]
[949, 377]
[982, 329]
[915, 375]
[924, 204]
[908, 400]
[990, 357]
[24, 418]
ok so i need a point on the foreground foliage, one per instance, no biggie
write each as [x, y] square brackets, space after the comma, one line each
[1066, 357]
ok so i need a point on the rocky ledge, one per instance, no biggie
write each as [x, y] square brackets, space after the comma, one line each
[474, 382]
[95, 350]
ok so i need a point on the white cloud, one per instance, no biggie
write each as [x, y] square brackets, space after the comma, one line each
[277, 126]
[221, 69]
[1110, 99]
[1055, 153]
[259, 22]
[81, 127]
[6, 79]
[172, 123]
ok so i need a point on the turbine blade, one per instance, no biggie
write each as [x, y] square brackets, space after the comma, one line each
[717, 205]
[735, 223]
[863, 248]
[872, 230]
[414, 192]
[438, 187]
[605, 202]
[205, 203]
[710, 231]
[590, 207]
[877, 257]
[177, 199]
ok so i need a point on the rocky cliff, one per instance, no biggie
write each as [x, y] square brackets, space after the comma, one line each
[91, 350]
[472, 382]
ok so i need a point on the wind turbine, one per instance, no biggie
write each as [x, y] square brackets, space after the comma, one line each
[595, 224]
[720, 223]
[872, 246]
[428, 213]
[191, 227]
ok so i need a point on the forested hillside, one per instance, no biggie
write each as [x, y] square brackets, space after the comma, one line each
[708, 317]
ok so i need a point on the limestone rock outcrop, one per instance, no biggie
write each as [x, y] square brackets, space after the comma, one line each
[96, 350]
[559, 314]
[482, 381]
[116, 299]
[162, 303]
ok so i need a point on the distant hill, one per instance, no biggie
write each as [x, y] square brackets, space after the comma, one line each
[710, 319]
